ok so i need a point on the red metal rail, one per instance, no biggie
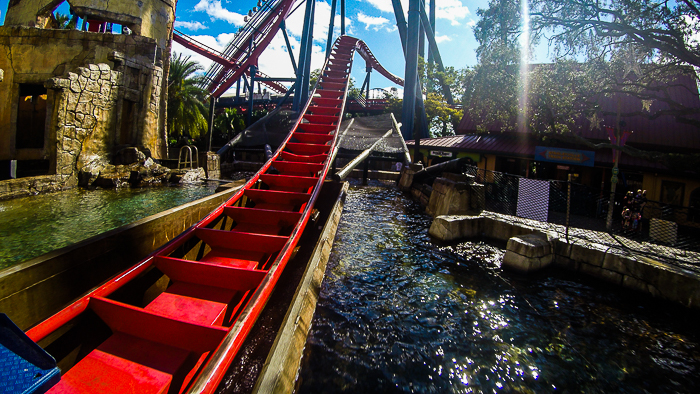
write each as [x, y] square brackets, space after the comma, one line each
[221, 271]
[243, 56]
[238, 59]
[212, 54]
[366, 54]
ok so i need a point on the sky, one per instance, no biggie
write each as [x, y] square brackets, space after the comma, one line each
[213, 22]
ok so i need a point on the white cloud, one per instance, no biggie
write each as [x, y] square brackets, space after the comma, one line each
[274, 61]
[190, 25]
[218, 43]
[322, 16]
[385, 5]
[372, 22]
[439, 38]
[452, 10]
[215, 11]
[471, 23]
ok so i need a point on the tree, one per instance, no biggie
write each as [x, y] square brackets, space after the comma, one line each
[637, 46]
[600, 49]
[431, 79]
[228, 124]
[64, 21]
[186, 100]
[492, 88]
[443, 118]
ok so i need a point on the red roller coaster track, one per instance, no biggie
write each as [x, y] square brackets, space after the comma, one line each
[221, 271]
[245, 49]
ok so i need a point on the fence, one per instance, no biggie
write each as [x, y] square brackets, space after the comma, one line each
[661, 231]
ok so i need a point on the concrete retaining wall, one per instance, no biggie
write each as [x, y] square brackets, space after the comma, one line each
[610, 264]
[282, 365]
[31, 291]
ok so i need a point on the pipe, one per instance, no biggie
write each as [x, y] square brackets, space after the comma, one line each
[235, 140]
[345, 171]
[448, 166]
[406, 152]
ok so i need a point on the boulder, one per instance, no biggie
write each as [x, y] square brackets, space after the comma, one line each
[129, 155]
[528, 253]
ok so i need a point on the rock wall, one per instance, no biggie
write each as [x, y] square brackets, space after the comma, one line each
[455, 194]
[104, 92]
[613, 265]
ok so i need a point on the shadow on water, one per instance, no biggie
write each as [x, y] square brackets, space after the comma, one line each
[34, 225]
[399, 313]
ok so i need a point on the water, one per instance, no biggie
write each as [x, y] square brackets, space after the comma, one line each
[399, 313]
[32, 226]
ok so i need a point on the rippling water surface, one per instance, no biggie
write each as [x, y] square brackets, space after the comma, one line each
[32, 226]
[399, 313]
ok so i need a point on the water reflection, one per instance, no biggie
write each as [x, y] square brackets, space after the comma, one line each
[400, 314]
[34, 225]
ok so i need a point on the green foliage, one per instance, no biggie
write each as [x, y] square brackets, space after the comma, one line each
[64, 21]
[607, 37]
[435, 81]
[313, 78]
[599, 50]
[227, 125]
[492, 87]
[186, 100]
[443, 118]
[629, 46]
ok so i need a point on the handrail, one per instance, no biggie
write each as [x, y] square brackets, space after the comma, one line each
[191, 161]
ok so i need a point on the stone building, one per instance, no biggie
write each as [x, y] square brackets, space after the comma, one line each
[71, 99]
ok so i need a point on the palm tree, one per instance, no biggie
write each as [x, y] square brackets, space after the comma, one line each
[64, 21]
[228, 124]
[186, 109]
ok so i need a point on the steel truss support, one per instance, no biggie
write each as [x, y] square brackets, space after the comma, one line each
[436, 54]
[421, 35]
[365, 85]
[309, 47]
[411, 75]
[431, 57]
[401, 25]
[286, 96]
[302, 72]
[283, 27]
[329, 43]
[251, 100]
[342, 17]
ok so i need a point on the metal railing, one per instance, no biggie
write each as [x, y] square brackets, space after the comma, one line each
[190, 159]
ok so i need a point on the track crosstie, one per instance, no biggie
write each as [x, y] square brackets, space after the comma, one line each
[219, 273]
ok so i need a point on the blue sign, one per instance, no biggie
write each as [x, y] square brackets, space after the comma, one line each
[566, 156]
